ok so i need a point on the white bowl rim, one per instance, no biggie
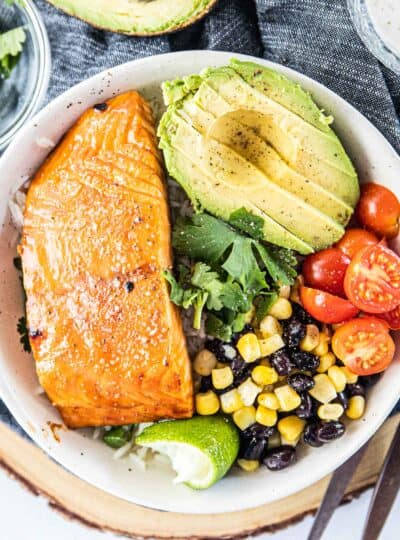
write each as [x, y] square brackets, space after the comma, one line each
[17, 409]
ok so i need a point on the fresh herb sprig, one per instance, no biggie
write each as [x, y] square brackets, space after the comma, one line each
[11, 45]
[231, 272]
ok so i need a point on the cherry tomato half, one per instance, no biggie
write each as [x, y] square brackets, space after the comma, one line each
[392, 318]
[354, 240]
[364, 345]
[372, 281]
[325, 307]
[379, 210]
[325, 270]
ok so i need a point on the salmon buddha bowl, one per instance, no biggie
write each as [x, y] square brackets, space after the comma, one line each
[210, 281]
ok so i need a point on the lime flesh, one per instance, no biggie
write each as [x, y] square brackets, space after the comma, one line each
[201, 449]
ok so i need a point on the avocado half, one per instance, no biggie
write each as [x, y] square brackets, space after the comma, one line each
[244, 137]
[137, 17]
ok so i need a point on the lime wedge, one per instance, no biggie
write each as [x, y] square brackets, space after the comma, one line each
[201, 449]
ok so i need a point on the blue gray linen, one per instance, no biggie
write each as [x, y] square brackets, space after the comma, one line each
[315, 37]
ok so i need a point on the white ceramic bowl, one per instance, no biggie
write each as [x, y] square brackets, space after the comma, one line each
[91, 460]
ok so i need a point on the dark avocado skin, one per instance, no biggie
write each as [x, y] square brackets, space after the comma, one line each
[60, 4]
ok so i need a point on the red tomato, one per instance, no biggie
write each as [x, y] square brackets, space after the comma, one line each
[326, 307]
[364, 345]
[325, 270]
[354, 240]
[379, 210]
[372, 281]
[392, 318]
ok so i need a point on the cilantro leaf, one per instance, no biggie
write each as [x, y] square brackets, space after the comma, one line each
[280, 263]
[203, 238]
[217, 328]
[247, 222]
[176, 290]
[263, 303]
[10, 48]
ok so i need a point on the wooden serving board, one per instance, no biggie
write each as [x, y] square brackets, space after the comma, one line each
[78, 500]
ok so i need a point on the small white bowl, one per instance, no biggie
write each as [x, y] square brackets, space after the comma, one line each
[91, 460]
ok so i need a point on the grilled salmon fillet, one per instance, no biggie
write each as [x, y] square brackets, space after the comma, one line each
[108, 344]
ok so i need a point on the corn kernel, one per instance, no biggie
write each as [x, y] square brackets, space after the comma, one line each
[271, 344]
[244, 417]
[275, 440]
[284, 291]
[330, 411]
[249, 348]
[207, 403]
[248, 391]
[266, 417]
[269, 400]
[326, 361]
[338, 378]
[222, 378]
[264, 375]
[293, 443]
[291, 427]
[249, 315]
[351, 377]
[288, 398]
[204, 362]
[248, 465]
[311, 339]
[281, 309]
[324, 390]
[356, 407]
[270, 326]
[322, 347]
[230, 401]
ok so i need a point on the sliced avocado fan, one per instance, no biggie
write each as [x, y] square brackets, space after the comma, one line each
[244, 136]
[137, 17]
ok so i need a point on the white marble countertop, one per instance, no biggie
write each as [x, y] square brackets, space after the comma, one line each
[26, 517]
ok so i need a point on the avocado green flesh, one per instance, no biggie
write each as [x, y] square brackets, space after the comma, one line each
[259, 140]
[228, 130]
[134, 16]
[205, 192]
[312, 153]
[239, 175]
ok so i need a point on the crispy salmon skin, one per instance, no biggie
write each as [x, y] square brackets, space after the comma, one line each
[108, 344]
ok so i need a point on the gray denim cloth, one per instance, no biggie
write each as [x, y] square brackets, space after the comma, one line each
[315, 37]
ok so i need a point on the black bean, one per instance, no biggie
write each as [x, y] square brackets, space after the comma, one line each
[216, 346]
[281, 361]
[310, 435]
[279, 458]
[370, 380]
[305, 361]
[307, 407]
[241, 370]
[253, 448]
[355, 389]
[300, 382]
[293, 332]
[206, 384]
[343, 399]
[258, 431]
[301, 314]
[329, 431]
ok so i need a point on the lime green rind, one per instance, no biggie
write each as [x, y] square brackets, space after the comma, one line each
[215, 436]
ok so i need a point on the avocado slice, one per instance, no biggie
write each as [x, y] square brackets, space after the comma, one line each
[258, 138]
[137, 17]
[228, 130]
[230, 169]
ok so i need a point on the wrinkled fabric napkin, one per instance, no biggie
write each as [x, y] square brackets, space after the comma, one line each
[315, 37]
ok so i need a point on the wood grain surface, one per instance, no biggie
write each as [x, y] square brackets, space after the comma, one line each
[78, 500]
